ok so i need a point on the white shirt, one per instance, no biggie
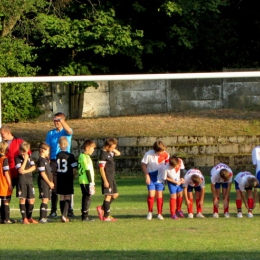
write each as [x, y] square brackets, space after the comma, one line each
[215, 176]
[256, 158]
[188, 180]
[241, 178]
[173, 173]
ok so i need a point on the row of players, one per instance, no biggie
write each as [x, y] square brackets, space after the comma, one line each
[157, 165]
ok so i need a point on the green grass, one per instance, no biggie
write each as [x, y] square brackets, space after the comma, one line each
[132, 236]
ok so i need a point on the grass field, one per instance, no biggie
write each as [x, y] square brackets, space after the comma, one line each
[132, 236]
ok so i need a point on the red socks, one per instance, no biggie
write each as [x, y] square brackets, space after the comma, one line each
[172, 206]
[159, 205]
[150, 202]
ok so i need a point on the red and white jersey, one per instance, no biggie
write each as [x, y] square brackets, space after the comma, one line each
[256, 158]
[188, 180]
[155, 163]
[241, 179]
[215, 176]
[173, 173]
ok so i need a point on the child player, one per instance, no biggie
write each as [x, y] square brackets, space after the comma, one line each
[66, 171]
[5, 185]
[86, 178]
[153, 163]
[107, 171]
[244, 182]
[172, 174]
[194, 180]
[45, 180]
[25, 189]
[221, 176]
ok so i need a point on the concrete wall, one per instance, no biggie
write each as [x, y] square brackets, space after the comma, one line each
[203, 152]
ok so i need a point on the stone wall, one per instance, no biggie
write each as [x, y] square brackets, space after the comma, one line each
[203, 152]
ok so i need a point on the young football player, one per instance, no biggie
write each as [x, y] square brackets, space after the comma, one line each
[5, 185]
[25, 188]
[107, 171]
[172, 173]
[66, 171]
[194, 180]
[221, 177]
[86, 178]
[45, 180]
[244, 183]
[153, 163]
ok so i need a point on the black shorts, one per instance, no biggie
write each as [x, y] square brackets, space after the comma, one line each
[44, 192]
[25, 191]
[64, 188]
[112, 188]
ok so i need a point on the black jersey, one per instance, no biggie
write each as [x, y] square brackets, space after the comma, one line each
[106, 160]
[24, 178]
[65, 163]
[43, 165]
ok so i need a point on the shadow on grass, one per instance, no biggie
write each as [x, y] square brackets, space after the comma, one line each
[125, 254]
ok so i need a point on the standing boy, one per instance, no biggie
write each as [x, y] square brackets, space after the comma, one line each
[66, 171]
[86, 178]
[221, 176]
[25, 167]
[107, 171]
[52, 139]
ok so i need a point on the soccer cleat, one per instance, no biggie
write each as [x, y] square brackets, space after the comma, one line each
[215, 215]
[250, 215]
[9, 221]
[160, 217]
[180, 214]
[32, 221]
[109, 219]
[190, 215]
[199, 215]
[64, 219]
[239, 215]
[226, 215]
[71, 214]
[100, 212]
[43, 220]
[174, 216]
[149, 216]
[25, 221]
[53, 215]
[87, 219]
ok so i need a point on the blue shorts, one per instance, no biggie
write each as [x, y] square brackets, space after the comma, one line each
[158, 186]
[258, 177]
[224, 185]
[190, 188]
[237, 188]
[174, 188]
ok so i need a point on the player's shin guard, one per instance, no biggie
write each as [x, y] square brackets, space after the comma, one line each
[23, 210]
[250, 203]
[190, 207]
[43, 210]
[30, 210]
[159, 205]
[172, 206]
[239, 205]
[179, 203]
[226, 209]
[106, 207]
[150, 202]
[6, 212]
[85, 204]
[199, 208]
[62, 204]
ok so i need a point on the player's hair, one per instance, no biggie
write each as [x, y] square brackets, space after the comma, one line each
[252, 182]
[196, 179]
[6, 128]
[3, 147]
[174, 161]
[63, 141]
[88, 143]
[43, 146]
[24, 147]
[110, 141]
[159, 146]
[225, 174]
[60, 114]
